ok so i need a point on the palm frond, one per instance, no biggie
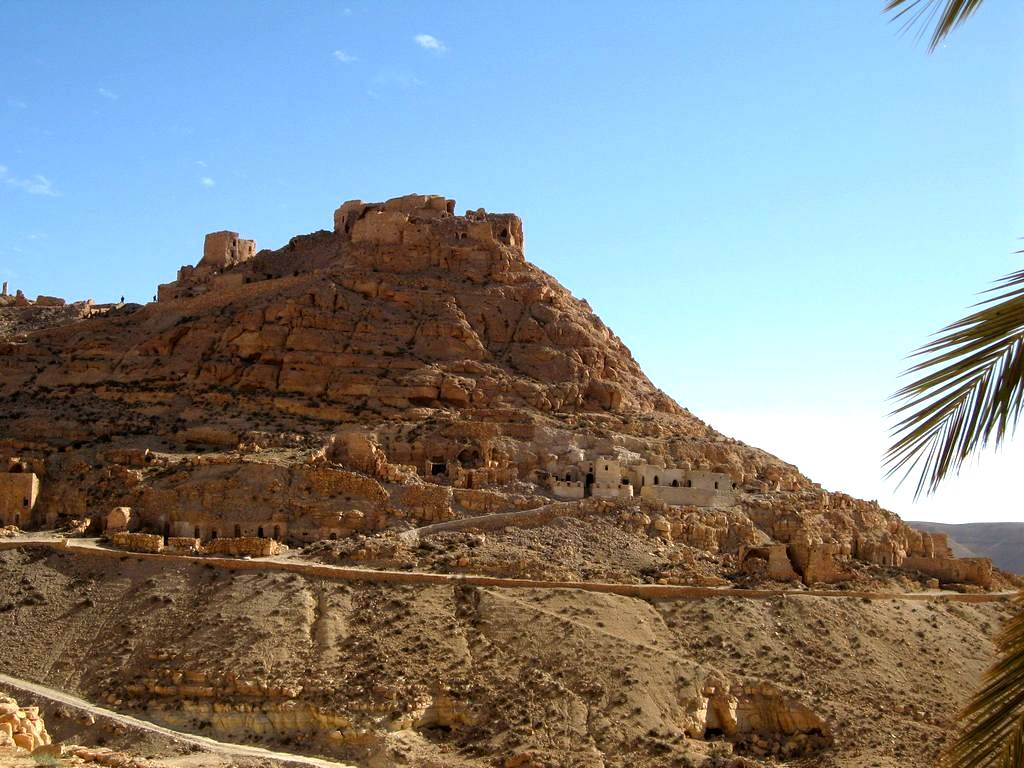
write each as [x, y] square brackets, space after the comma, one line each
[970, 390]
[993, 735]
[922, 14]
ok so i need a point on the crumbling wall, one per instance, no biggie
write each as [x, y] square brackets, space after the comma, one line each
[246, 545]
[426, 502]
[963, 570]
[138, 542]
[18, 494]
[767, 560]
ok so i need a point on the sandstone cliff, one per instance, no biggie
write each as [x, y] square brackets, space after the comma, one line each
[348, 381]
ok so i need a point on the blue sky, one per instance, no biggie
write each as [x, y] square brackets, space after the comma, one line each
[770, 203]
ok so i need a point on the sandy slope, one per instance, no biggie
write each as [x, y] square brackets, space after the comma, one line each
[573, 678]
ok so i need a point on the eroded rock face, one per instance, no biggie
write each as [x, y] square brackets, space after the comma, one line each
[21, 728]
[357, 379]
[758, 718]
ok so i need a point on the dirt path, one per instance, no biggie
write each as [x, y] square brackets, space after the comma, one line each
[212, 745]
[90, 547]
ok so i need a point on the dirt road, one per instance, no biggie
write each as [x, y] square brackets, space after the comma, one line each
[91, 547]
[236, 750]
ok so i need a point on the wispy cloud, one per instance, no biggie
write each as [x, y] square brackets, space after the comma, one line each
[17, 104]
[206, 181]
[430, 43]
[37, 236]
[344, 58]
[201, 163]
[34, 185]
[107, 94]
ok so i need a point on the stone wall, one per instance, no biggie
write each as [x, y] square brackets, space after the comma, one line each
[683, 496]
[18, 493]
[948, 570]
[183, 544]
[426, 502]
[768, 560]
[138, 542]
[224, 249]
[247, 545]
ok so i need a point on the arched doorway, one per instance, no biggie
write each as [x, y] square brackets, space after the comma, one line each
[587, 489]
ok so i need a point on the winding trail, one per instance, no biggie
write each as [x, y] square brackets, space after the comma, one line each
[212, 745]
[91, 547]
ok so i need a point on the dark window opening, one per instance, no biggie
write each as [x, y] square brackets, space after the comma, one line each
[716, 485]
[675, 483]
[657, 481]
[437, 468]
[167, 532]
[238, 531]
[196, 534]
[24, 502]
[334, 536]
[277, 533]
[625, 481]
[213, 534]
[259, 531]
[469, 458]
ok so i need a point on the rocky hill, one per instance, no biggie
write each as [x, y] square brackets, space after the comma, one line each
[407, 392]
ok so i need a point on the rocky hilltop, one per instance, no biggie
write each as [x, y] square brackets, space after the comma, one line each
[408, 365]
[405, 393]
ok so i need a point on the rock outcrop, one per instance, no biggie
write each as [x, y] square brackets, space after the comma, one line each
[21, 728]
[359, 379]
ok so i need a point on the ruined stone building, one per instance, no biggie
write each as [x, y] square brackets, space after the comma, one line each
[610, 478]
[222, 251]
[19, 489]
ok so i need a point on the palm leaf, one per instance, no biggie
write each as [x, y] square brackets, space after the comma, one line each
[993, 735]
[922, 14]
[970, 390]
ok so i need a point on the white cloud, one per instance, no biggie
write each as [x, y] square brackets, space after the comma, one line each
[344, 58]
[201, 163]
[107, 94]
[206, 181]
[34, 185]
[38, 236]
[430, 43]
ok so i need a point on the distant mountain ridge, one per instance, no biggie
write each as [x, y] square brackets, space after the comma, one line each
[1003, 542]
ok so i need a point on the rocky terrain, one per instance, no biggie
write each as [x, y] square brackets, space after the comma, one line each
[438, 676]
[407, 392]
